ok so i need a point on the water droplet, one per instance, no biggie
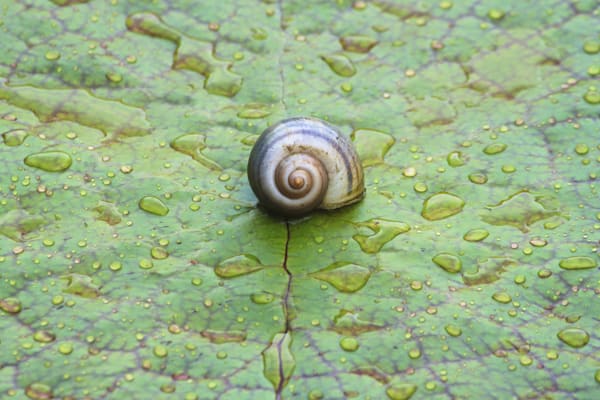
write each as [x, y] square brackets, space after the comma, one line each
[420, 187]
[278, 360]
[52, 55]
[340, 64]
[39, 391]
[591, 47]
[114, 77]
[520, 210]
[343, 276]
[220, 337]
[153, 205]
[160, 351]
[401, 391]
[488, 271]
[476, 235]
[262, 298]
[453, 330]
[495, 15]
[238, 265]
[597, 376]
[448, 262]
[358, 43]
[44, 336]
[455, 159]
[11, 305]
[192, 145]
[159, 253]
[254, 111]
[348, 323]
[494, 148]
[349, 344]
[478, 178]
[577, 262]
[65, 348]
[15, 137]
[50, 161]
[502, 297]
[384, 231]
[581, 149]
[223, 82]
[81, 285]
[315, 394]
[371, 145]
[592, 97]
[145, 263]
[442, 205]
[574, 337]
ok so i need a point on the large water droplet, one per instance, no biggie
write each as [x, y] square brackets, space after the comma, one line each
[223, 82]
[153, 205]
[343, 276]
[494, 148]
[476, 235]
[340, 64]
[349, 344]
[254, 111]
[81, 285]
[520, 210]
[14, 137]
[578, 262]
[448, 262]
[385, 231]
[192, 145]
[51, 161]
[220, 337]
[262, 298]
[39, 391]
[442, 205]
[574, 337]
[11, 305]
[278, 360]
[371, 145]
[401, 391]
[349, 323]
[238, 265]
[455, 159]
[358, 43]
[488, 271]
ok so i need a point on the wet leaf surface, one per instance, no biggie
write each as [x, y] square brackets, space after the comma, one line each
[134, 262]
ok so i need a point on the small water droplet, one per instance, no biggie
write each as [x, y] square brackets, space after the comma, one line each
[238, 265]
[340, 64]
[574, 337]
[591, 47]
[442, 205]
[349, 344]
[448, 262]
[592, 97]
[453, 330]
[495, 14]
[494, 148]
[581, 148]
[65, 348]
[14, 137]
[52, 55]
[502, 297]
[262, 298]
[577, 262]
[153, 205]
[343, 276]
[478, 178]
[159, 253]
[44, 337]
[160, 351]
[50, 161]
[476, 235]
[455, 159]
[401, 391]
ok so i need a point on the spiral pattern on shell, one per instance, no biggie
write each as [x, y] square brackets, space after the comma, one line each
[300, 164]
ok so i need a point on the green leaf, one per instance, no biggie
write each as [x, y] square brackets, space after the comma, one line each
[135, 262]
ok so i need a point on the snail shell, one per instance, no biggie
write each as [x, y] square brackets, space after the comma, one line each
[300, 164]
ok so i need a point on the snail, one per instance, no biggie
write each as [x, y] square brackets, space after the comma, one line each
[300, 164]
